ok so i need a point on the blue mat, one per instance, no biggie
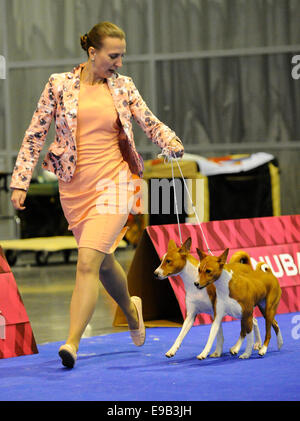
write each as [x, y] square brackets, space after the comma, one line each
[111, 368]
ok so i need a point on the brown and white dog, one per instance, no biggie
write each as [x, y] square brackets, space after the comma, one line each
[179, 261]
[239, 288]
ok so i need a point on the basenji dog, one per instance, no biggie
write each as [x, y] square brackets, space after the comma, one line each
[239, 288]
[179, 261]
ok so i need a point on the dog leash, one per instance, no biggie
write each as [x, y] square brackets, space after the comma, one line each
[175, 201]
[167, 158]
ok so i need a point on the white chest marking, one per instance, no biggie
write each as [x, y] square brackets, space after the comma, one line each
[226, 304]
[195, 298]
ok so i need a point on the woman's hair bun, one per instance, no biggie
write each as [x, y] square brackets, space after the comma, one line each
[95, 36]
[84, 41]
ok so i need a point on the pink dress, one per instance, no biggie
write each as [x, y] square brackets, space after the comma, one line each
[96, 202]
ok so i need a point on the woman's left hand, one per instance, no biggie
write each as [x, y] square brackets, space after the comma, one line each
[176, 148]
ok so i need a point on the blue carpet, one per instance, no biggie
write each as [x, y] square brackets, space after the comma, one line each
[111, 368]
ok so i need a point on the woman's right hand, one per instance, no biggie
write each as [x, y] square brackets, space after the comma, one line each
[18, 198]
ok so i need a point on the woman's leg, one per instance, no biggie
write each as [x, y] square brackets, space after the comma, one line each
[85, 293]
[114, 280]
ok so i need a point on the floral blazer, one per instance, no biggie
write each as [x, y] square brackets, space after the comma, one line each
[59, 100]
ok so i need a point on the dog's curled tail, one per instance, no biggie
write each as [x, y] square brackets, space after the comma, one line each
[241, 257]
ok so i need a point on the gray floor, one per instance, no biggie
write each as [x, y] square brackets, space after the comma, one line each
[46, 292]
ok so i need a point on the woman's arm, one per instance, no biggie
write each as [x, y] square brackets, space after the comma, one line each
[158, 132]
[34, 139]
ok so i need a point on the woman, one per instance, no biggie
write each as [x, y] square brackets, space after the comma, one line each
[92, 107]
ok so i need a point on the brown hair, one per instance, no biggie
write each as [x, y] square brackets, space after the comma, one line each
[94, 38]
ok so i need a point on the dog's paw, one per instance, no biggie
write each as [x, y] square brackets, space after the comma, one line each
[262, 350]
[244, 356]
[233, 350]
[172, 351]
[202, 356]
[215, 354]
[257, 346]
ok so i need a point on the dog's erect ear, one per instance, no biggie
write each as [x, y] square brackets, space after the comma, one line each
[201, 254]
[222, 259]
[186, 246]
[172, 245]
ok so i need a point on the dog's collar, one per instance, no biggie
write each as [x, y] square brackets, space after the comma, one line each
[225, 275]
[204, 286]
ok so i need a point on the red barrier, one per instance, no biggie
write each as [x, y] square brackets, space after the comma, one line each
[16, 336]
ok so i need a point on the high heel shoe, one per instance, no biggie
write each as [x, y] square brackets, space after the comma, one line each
[68, 355]
[138, 336]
